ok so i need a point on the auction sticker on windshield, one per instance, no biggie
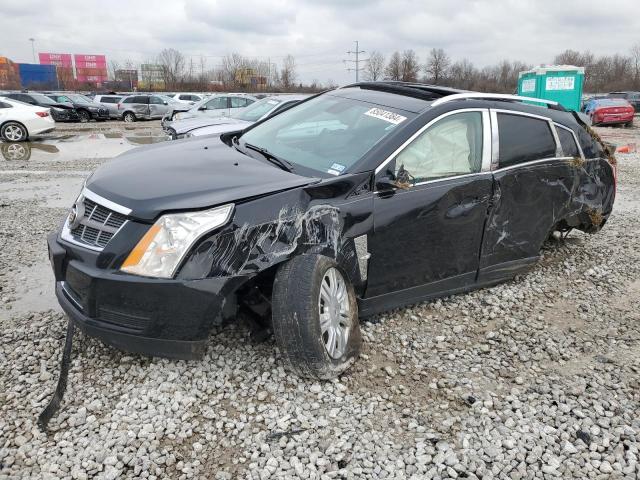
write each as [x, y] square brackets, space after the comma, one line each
[385, 115]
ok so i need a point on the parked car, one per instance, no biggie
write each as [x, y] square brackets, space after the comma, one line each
[110, 102]
[60, 112]
[186, 98]
[145, 107]
[86, 108]
[239, 120]
[414, 192]
[632, 97]
[215, 106]
[19, 121]
[610, 111]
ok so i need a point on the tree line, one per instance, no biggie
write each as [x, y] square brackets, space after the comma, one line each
[602, 73]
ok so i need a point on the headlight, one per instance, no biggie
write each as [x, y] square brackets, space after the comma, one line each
[160, 251]
[178, 116]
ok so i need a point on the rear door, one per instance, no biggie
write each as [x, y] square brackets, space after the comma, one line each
[428, 230]
[157, 107]
[533, 185]
[217, 107]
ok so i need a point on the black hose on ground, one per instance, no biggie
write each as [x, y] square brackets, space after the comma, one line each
[54, 404]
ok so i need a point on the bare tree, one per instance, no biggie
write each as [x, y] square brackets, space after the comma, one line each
[410, 66]
[462, 74]
[288, 73]
[172, 63]
[233, 67]
[374, 67]
[113, 67]
[437, 65]
[393, 70]
[635, 63]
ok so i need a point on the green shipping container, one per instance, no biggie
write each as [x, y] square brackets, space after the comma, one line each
[560, 83]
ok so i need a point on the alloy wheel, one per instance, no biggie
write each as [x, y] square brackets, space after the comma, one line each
[13, 133]
[335, 313]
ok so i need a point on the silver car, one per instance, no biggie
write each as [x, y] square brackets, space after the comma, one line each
[144, 107]
[220, 105]
[110, 102]
[260, 110]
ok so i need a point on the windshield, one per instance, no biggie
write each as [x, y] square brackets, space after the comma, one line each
[257, 110]
[79, 98]
[43, 99]
[328, 133]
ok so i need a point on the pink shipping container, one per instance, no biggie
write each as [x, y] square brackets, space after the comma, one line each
[90, 61]
[58, 59]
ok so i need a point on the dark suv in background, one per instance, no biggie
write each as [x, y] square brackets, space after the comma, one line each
[86, 108]
[632, 97]
[60, 112]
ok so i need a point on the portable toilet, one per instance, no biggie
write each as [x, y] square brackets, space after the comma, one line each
[560, 83]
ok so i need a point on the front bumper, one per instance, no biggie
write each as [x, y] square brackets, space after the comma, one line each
[157, 317]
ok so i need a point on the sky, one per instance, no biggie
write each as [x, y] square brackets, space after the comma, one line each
[318, 33]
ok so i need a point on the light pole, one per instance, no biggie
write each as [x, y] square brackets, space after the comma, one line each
[33, 48]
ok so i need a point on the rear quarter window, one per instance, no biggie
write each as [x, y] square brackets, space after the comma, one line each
[523, 139]
[568, 143]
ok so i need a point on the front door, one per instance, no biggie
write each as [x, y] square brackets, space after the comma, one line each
[157, 107]
[428, 229]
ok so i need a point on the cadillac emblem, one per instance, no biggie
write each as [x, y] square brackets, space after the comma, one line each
[76, 213]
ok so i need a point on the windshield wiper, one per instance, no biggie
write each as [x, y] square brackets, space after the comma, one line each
[280, 162]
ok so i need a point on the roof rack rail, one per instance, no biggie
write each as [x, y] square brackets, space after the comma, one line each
[491, 96]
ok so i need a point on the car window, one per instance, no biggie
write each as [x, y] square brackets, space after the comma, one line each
[109, 100]
[184, 97]
[256, 111]
[216, 103]
[522, 139]
[452, 146]
[568, 143]
[5, 105]
[238, 102]
[128, 100]
[141, 99]
[156, 101]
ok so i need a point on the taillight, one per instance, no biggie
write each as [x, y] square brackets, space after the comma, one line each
[42, 114]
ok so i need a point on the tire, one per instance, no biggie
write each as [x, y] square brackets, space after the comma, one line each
[14, 132]
[629, 124]
[296, 305]
[129, 117]
[84, 116]
[172, 133]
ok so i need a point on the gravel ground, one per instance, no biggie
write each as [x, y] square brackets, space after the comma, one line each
[535, 378]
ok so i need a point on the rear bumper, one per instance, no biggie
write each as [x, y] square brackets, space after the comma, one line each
[157, 317]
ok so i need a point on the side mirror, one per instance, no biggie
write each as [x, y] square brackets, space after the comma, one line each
[202, 108]
[165, 103]
[386, 183]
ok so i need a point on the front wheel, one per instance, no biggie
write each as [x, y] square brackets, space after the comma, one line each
[13, 132]
[84, 116]
[315, 317]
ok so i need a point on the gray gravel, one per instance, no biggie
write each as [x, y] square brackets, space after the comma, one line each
[535, 378]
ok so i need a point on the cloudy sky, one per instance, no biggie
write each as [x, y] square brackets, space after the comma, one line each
[318, 32]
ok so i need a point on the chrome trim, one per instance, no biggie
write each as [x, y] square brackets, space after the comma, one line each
[425, 127]
[362, 252]
[489, 96]
[575, 138]
[559, 152]
[65, 235]
[495, 140]
[437, 180]
[68, 294]
[105, 202]
[522, 114]
[532, 162]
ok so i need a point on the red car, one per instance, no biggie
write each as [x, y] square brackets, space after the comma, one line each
[610, 111]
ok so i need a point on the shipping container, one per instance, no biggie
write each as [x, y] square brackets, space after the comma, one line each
[560, 83]
[40, 77]
[57, 59]
[91, 72]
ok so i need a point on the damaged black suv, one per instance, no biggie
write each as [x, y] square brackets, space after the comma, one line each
[355, 201]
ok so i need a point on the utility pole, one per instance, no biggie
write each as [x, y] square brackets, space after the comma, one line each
[33, 48]
[357, 61]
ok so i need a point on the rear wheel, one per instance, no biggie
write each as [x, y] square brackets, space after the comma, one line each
[172, 133]
[13, 132]
[129, 117]
[315, 317]
[84, 116]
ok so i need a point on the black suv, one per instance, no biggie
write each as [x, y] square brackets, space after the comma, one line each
[86, 108]
[60, 112]
[632, 97]
[357, 200]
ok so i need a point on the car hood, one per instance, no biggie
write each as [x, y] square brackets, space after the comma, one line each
[184, 126]
[184, 175]
[220, 128]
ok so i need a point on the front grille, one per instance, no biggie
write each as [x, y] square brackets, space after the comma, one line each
[98, 224]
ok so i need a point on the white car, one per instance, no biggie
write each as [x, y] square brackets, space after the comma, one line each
[19, 121]
[187, 98]
[219, 105]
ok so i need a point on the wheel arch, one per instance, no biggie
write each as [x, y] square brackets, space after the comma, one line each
[19, 123]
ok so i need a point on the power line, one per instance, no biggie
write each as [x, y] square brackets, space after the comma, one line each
[357, 61]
